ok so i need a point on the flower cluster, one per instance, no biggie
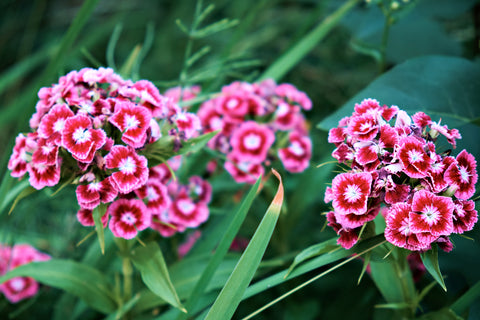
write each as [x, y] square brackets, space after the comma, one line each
[19, 288]
[258, 123]
[96, 129]
[393, 163]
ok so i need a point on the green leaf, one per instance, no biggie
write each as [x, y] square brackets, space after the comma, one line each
[466, 300]
[435, 85]
[313, 251]
[24, 193]
[98, 213]
[298, 51]
[221, 249]
[430, 261]
[442, 314]
[81, 280]
[231, 294]
[153, 269]
[10, 189]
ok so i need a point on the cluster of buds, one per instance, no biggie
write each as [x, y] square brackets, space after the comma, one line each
[19, 288]
[425, 194]
[258, 123]
[97, 130]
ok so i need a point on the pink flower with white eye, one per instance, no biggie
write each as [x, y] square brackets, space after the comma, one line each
[431, 214]
[41, 175]
[233, 104]
[416, 162]
[296, 157]
[200, 189]
[160, 172]
[286, 116]
[343, 153]
[53, 123]
[251, 142]
[366, 152]
[367, 106]
[210, 118]
[127, 217]
[80, 139]
[363, 127]
[351, 191]
[464, 216]
[398, 230]
[436, 176]
[19, 288]
[46, 153]
[450, 134]
[395, 192]
[133, 121]
[388, 137]
[186, 212]
[156, 195]
[348, 237]
[90, 195]
[85, 217]
[22, 154]
[149, 97]
[243, 172]
[337, 135]
[403, 120]
[463, 175]
[188, 123]
[132, 169]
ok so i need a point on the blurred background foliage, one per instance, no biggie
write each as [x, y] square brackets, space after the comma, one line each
[33, 53]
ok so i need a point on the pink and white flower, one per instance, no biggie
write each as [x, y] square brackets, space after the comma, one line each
[132, 169]
[133, 121]
[296, 157]
[463, 175]
[156, 195]
[351, 191]
[464, 216]
[416, 162]
[53, 123]
[251, 142]
[432, 214]
[85, 217]
[41, 175]
[186, 212]
[127, 217]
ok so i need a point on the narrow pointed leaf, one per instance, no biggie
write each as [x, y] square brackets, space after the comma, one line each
[98, 213]
[313, 251]
[153, 269]
[78, 279]
[467, 299]
[24, 193]
[430, 261]
[231, 294]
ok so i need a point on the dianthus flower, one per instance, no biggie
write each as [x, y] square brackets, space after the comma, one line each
[19, 288]
[393, 163]
[113, 138]
[258, 123]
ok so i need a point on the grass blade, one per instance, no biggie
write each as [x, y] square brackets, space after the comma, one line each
[231, 294]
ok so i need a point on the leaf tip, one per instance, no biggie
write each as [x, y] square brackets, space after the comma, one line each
[278, 200]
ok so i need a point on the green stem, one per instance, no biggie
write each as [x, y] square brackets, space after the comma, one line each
[127, 278]
[384, 44]
[290, 58]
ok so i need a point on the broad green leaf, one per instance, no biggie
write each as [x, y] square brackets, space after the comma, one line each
[221, 249]
[442, 87]
[231, 294]
[466, 300]
[78, 279]
[98, 213]
[313, 251]
[430, 261]
[153, 269]
[442, 314]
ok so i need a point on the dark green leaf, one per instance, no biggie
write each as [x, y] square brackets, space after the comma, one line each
[430, 261]
[313, 251]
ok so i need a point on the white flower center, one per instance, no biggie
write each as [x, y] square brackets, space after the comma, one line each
[186, 206]
[152, 194]
[282, 109]
[464, 174]
[17, 284]
[232, 104]
[215, 123]
[128, 218]
[94, 186]
[365, 126]
[404, 228]
[128, 165]
[352, 193]
[414, 156]
[47, 149]
[131, 122]
[431, 214]
[59, 125]
[251, 141]
[81, 135]
[296, 149]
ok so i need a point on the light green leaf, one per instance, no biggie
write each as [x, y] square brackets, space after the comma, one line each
[153, 269]
[81, 280]
[430, 261]
[231, 294]
[98, 213]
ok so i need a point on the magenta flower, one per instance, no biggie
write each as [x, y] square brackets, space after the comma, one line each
[431, 213]
[251, 142]
[53, 123]
[363, 127]
[156, 195]
[464, 216]
[80, 139]
[22, 153]
[416, 162]
[133, 121]
[348, 237]
[463, 175]
[243, 172]
[188, 123]
[188, 213]
[351, 191]
[132, 169]
[85, 217]
[41, 175]
[46, 153]
[127, 217]
[296, 157]
[90, 195]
